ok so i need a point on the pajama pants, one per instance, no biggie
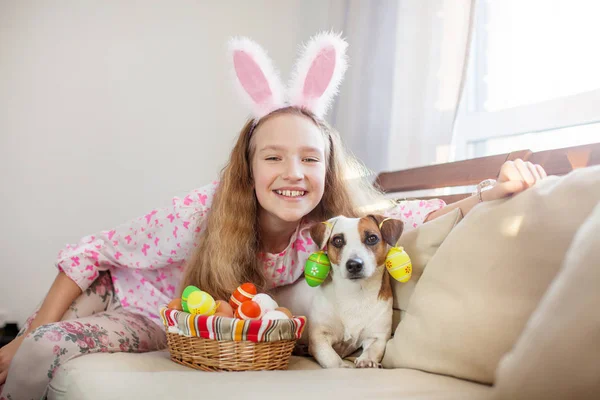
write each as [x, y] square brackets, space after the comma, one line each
[94, 323]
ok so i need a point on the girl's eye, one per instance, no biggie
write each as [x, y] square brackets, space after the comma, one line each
[311, 159]
[338, 241]
[273, 158]
[372, 240]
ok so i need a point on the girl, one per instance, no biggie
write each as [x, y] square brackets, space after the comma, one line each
[285, 173]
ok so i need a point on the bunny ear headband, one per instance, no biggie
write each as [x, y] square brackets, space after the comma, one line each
[317, 75]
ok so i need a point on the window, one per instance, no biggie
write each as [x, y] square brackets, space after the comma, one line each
[533, 80]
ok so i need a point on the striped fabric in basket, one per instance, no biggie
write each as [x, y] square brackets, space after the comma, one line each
[222, 328]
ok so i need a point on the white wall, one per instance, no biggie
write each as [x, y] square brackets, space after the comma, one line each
[109, 109]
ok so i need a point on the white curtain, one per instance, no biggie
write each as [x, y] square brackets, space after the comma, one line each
[407, 63]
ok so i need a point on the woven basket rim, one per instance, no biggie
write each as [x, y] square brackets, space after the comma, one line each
[231, 329]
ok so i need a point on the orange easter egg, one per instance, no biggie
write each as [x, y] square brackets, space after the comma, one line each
[224, 309]
[285, 311]
[244, 292]
[248, 310]
[175, 304]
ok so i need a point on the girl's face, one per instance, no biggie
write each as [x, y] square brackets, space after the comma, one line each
[288, 167]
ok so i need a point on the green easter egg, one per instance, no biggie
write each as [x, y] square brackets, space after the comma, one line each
[316, 268]
[185, 295]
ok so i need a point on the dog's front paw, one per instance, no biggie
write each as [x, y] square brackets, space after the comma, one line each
[337, 364]
[366, 363]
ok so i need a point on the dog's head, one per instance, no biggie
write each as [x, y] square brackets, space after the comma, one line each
[357, 246]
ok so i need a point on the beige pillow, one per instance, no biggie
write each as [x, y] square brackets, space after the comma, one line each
[483, 283]
[421, 244]
[558, 354]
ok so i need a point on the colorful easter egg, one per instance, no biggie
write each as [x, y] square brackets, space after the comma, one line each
[248, 310]
[316, 268]
[244, 292]
[201, 303]
[398, 264]
[175, 304]
[273, 315]
[185, 294]
[265, 302]
[224, 309]
[285, 311]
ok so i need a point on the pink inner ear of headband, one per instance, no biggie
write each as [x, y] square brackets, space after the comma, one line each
[251, 77]
[320, 73]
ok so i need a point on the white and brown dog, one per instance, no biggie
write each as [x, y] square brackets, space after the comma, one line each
[353, 307]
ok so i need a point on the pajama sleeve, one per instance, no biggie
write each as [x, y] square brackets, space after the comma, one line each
[414, 212]
[155, 240]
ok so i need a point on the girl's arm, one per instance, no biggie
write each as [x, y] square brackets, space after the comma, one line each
[515, 176]
[465, 206]
[60, 296]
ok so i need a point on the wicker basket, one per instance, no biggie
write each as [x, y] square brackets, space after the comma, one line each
[208, 354]
[217, 355]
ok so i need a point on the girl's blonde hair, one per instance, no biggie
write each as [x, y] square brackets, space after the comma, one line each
[226, 255]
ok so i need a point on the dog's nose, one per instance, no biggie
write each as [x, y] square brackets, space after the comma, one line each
[354, 265]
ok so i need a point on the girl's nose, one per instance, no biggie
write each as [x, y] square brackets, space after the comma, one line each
[293, 171]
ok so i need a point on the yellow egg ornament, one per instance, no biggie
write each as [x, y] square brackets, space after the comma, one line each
[201, 303]
[398, 264]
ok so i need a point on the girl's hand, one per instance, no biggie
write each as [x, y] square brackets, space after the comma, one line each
[515, 176]
[6, 355]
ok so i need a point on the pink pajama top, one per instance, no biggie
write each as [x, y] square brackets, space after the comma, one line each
[145, 256]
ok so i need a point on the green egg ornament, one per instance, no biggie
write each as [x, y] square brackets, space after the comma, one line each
[316, 268]
[185, 295]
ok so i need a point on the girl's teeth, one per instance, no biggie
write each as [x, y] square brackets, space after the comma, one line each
[290, 193]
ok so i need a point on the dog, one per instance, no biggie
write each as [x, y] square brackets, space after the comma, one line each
[353, 306]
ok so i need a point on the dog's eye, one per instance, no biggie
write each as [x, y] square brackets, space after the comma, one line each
[372, 239]
[338, 241]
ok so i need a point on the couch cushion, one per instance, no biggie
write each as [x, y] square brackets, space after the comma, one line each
[557, 356]
[112, 376]
[421, 244]
[481, 286]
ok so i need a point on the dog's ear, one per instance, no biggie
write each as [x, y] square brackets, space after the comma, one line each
[321, 232]
[390, 228]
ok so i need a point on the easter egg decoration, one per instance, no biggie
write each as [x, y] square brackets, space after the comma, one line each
[223, 309]
[244, 292]
[316, 268]
[248, 310]
[201, 303]
[265, 302]
[175, 304]
[398, 264]
[185, 294]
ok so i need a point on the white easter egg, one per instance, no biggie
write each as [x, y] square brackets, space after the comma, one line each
[265, 301]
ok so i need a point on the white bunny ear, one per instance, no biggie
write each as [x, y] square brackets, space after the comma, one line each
[318, 73]
[255, 77]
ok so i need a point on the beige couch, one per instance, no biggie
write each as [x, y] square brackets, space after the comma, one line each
[503, 304]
